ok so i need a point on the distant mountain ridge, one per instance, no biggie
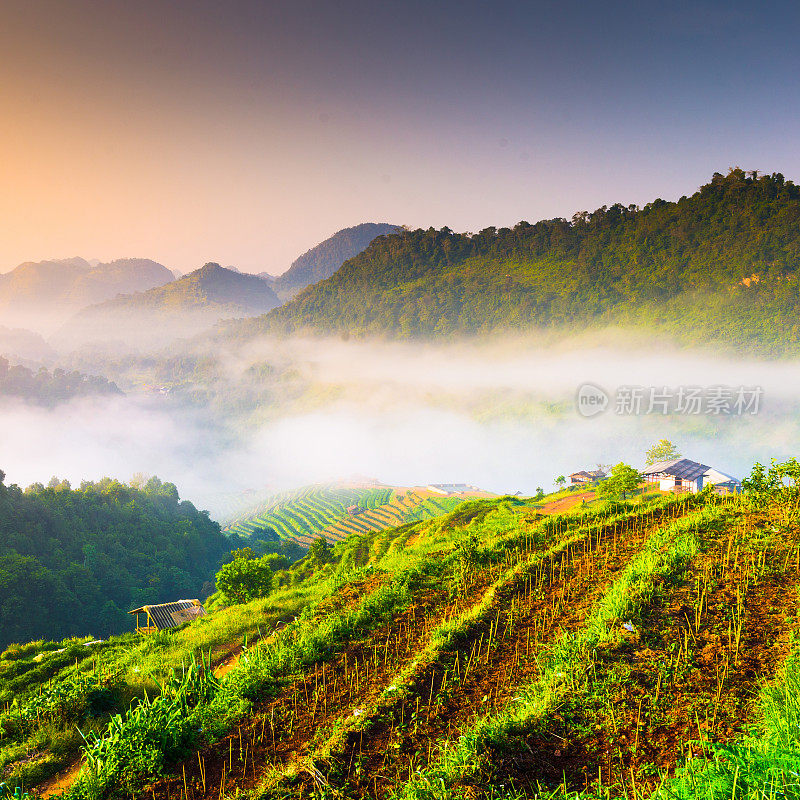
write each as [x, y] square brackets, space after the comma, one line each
[719, 267]
[183, 307]
[322, 261]
[47, 292]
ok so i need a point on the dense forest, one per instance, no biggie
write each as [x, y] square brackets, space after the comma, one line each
[74, 561]
[717, 267]
[50, 388]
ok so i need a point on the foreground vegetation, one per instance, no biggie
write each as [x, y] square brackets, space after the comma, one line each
[629, 649]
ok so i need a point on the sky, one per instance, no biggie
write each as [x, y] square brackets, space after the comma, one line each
[247, 132]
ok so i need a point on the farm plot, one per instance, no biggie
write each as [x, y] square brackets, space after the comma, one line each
[281, 736]
[411, 506]
[499, 646]
[497, 653]
[688, 669]
[306, 514]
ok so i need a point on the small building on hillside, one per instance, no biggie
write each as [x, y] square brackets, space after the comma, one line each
[167, 615]
[722, 482]
[585, 477]
[685, 475]
[354, 511]
[678, 474]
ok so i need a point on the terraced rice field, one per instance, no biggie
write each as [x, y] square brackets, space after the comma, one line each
[315, 511]
[405, 506]
[301, 515]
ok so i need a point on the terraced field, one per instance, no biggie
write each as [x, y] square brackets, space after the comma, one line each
[583, 655]
[302, 514]
[315, 511]
[408, 505]
[639, 649]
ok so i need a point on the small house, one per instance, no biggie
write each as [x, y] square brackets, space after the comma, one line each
[722, 482]
[584, 477]
[678, 474]
[354, 510]
[167, 615]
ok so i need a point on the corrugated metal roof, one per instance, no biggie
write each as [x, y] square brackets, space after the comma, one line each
[682, 468]
[170, 615]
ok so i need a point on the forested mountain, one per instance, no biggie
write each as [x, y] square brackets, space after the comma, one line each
[41, 294]
[24, 344]
[182, 307]
[49, 388]
[719, 266]
[322, 261]
[75, 561]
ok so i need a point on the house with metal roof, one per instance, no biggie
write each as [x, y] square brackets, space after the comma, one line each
[586, 476]
[685, 475]
[680, 474]
[721, 481]
[167, 615]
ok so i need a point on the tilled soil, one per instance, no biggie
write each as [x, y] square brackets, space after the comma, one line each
[679, 677]
[496, 656]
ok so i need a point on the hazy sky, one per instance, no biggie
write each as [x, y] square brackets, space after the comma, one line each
[245, 132]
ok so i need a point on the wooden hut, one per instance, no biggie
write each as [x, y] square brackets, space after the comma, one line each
[167, 615]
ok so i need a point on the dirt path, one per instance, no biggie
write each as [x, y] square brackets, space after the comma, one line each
[61, 782]
[566, 503]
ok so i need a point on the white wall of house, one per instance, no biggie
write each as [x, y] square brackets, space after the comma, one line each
[668, 484]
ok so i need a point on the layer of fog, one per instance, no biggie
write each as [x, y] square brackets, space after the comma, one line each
[498, 416]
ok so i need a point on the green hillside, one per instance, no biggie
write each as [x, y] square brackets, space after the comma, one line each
[322, 510]
[720, 266]
[641, 649]
[74, 561]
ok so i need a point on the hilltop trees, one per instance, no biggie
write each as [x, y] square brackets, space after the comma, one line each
[75, 560]
[662, 450]
[624, 480]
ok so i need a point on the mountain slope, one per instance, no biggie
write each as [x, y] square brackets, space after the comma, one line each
[182, 307]
[719, 266]
[23, 344]
[322, 261]
[487, 653]
[52, 290]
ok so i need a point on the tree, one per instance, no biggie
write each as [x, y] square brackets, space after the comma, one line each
[319, 553]
[624, 480]
[560, 481]
[245, 578]
[663, 450]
